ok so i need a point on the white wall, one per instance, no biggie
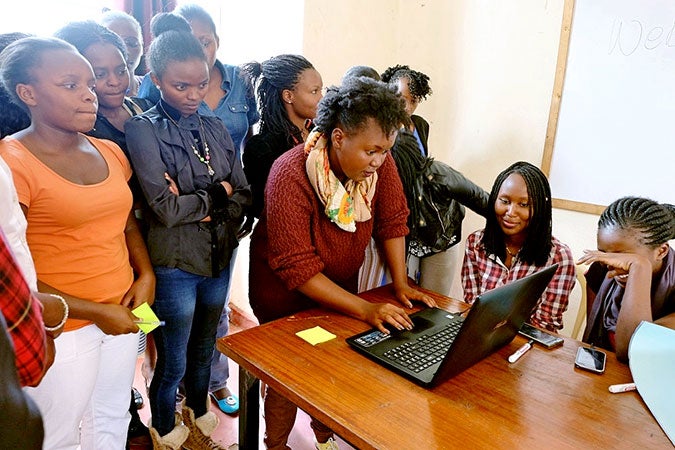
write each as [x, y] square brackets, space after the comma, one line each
[491, 65]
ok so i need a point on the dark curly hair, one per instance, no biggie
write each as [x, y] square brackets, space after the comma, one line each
[173, 42]
[418, 82]
[537, 246]
[654, 221]
[271, 78]
[13, 117]
[358, 99]
[85, 33]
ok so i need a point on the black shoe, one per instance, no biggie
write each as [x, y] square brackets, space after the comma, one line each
[138, 398]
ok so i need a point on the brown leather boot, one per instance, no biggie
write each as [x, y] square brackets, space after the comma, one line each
[173, 440]
[200, 430]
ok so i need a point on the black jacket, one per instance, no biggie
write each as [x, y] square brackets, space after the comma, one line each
[176, 235]
[436, 195]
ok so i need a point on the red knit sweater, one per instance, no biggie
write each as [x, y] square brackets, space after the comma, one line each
[294, 239]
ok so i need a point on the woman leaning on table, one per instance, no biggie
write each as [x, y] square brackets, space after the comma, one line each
[323, 201]
[636, 268]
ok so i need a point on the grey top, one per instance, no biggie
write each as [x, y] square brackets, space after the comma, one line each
[176, 236]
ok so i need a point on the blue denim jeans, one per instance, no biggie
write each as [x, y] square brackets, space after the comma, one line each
[191, 306]
[220, 369]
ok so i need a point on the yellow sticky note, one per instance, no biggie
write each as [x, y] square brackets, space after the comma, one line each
[315, 335]
[147, 318]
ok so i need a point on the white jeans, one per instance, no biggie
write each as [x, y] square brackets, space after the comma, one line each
[89, 384]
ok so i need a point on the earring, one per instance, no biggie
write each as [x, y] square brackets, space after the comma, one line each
[289, 102]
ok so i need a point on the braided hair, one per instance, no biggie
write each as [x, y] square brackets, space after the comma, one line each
[418, 82]
[271, 78]
[654, 221]
[358, 99]
[410, 164]
[537, 246]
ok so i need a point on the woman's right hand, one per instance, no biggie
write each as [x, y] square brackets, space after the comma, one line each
[115, 319]
[379, 314]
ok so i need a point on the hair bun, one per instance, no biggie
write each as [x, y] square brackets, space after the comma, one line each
[163, 22]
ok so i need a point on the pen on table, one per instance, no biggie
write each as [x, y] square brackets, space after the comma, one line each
[521, 351]
[618, 388]
[159, 323]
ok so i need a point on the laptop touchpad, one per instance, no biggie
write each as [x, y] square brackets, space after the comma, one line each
[421, 324]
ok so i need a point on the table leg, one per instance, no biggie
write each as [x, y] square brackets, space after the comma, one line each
[249, 410]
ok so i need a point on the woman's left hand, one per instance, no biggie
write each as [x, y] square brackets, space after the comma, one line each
[618, 264]
[141, 291]
[406, 293]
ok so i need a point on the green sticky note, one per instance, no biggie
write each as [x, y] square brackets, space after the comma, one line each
[147, 318]
[315, 335]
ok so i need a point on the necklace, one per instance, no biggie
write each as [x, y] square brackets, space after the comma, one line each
[206, 159]
[512, 254]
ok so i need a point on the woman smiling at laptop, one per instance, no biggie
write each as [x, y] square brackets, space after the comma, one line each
[517, 241]
[323, 201]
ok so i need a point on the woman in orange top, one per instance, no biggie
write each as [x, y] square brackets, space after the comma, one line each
[84, 241]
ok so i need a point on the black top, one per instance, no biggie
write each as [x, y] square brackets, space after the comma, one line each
[159, 144]
[259, 154]
[422, 127]
[103, 129]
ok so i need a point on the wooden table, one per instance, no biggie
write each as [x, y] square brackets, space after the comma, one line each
[541, 401]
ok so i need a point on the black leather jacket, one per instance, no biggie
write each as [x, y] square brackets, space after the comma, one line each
[436, 194]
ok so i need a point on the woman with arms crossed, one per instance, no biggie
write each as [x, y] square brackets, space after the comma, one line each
[196, 193]
[323, 202]
[633, 250]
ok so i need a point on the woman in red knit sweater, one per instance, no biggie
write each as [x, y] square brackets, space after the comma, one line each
[324, 201]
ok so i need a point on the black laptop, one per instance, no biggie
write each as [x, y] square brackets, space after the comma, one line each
[443, 344]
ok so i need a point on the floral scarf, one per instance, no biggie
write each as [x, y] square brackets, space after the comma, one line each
[344, 205]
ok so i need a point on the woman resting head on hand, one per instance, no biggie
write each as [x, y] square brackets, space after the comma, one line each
[633, 235]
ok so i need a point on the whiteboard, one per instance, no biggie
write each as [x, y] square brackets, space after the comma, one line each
[615, 130]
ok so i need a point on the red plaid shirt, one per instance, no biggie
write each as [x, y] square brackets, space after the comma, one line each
[23, 314]
[482, 272]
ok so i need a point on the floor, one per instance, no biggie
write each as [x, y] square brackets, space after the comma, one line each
[301, 437]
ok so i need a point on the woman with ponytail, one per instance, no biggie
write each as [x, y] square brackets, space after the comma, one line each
[639, 267]
[288, 88]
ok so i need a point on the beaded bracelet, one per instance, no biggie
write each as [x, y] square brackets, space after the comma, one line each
[65, 314]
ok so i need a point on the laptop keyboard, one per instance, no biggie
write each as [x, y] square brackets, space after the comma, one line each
[426, 350]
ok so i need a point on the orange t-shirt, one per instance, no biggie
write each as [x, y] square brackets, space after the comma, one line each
[76, 232]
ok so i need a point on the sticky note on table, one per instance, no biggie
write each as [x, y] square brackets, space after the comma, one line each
[145, 314]
[315, 335]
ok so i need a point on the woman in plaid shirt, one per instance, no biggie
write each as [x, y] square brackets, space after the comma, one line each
[517, 241]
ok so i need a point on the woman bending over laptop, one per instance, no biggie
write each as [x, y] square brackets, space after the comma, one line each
[637, 272]
[323, 201]
[517, 241]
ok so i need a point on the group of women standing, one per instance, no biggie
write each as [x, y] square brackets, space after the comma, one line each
[320, 179]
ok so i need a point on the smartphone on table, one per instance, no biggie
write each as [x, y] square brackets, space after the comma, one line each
[590, 359]
[541, 337]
